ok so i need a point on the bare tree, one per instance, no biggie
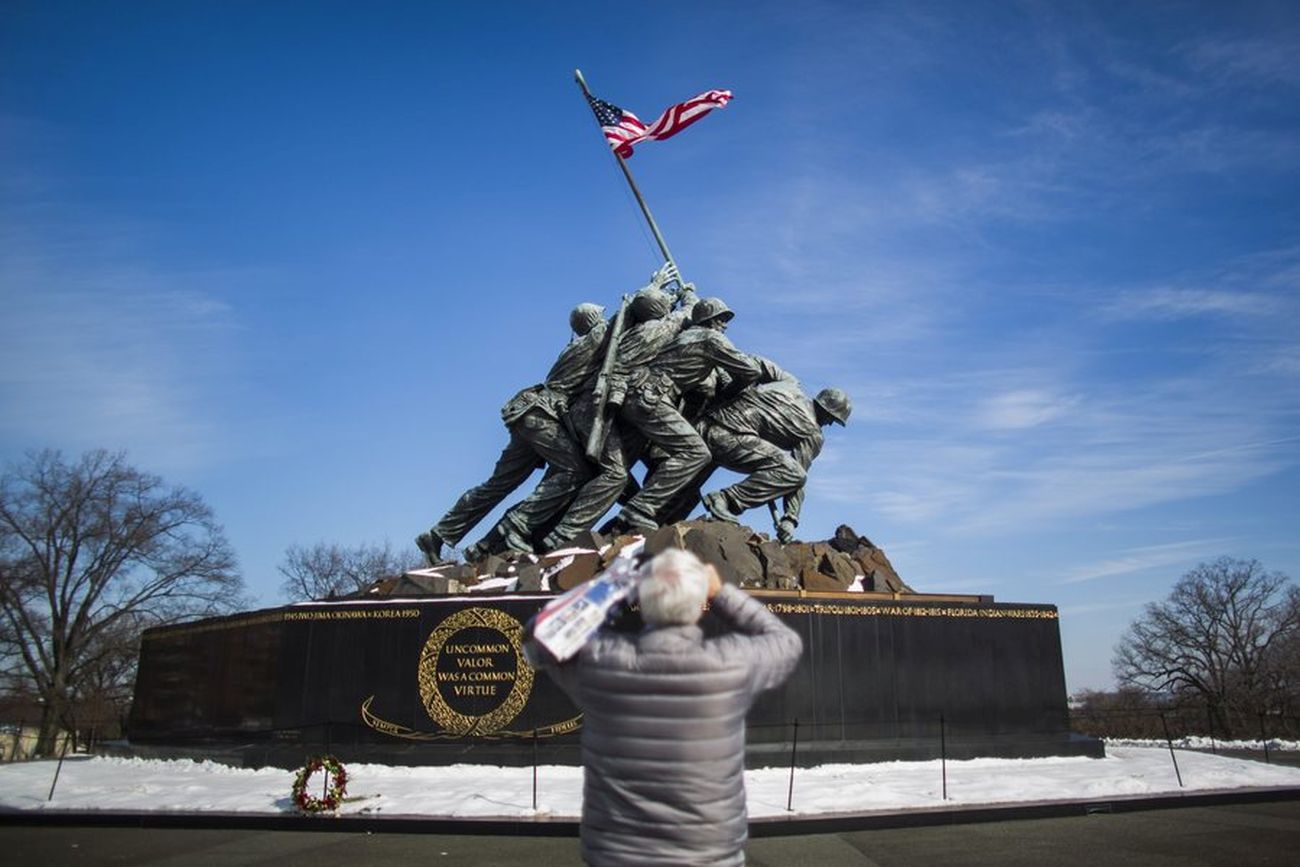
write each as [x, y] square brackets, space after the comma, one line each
[91, 553]
[1124, 713]
[325, 571]
[1226, 635]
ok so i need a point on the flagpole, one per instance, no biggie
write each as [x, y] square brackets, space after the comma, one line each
[622, 164]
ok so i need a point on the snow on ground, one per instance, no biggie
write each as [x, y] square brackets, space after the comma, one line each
[481, 791]
[1201, 742]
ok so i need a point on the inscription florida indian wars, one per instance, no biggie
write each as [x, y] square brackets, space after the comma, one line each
[472, 679]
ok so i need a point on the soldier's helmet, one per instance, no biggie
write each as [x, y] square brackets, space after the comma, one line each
[834, 403]
[585, 316]
[708, 309]
[650, 303]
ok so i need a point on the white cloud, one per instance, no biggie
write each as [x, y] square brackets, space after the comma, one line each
[113, 355]
[1250, 61]
[1171, 303]
[1147, 557]
[1086, 608]
[1023, 408]
[1285, 361]
[1118, 447]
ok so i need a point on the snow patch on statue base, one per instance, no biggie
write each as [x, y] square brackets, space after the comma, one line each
[847, 562]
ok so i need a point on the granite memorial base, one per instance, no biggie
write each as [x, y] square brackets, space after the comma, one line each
[442, 680]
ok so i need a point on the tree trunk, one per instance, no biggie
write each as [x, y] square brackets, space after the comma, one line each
[49, 730]
[1219, 720]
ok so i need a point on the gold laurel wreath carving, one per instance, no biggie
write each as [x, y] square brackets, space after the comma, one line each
[398, 730]
[444, 714]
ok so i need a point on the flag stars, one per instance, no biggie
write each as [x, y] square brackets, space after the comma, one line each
[623, 129]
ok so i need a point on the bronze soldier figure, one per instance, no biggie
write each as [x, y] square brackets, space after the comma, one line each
[655, 325]
[771, 431]
[538, 435]
[713, 392]
[652, 408]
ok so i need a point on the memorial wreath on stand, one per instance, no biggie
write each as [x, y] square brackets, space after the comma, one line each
[336, 785]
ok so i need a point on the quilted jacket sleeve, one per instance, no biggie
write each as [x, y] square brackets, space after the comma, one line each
[771, 648]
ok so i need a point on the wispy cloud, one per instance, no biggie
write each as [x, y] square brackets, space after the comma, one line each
[1255, 60]
[1147, 557]
[1116, 447]
[1172, 303]
[1101, 607]
[110, 354]
[1024, 408]
[1285, 360]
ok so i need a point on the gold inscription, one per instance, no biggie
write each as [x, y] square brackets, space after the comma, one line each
[912, 611]
[354, 614]
[459, 663]
[400, 731]
[375, 613]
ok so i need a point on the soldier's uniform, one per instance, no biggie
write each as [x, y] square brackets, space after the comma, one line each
[539, 435]
[652, 409]
[696, 405]
[770, 431]
[638, 346]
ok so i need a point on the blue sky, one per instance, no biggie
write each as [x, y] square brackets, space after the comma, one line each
[295, 256]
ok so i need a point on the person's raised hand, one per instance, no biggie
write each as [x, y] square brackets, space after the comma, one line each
[715, 582]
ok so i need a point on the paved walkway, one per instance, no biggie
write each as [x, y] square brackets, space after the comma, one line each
[1239, 835]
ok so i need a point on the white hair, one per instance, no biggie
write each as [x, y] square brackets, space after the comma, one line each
[674, 592]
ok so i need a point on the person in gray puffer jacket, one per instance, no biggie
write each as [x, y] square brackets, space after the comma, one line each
[663, 729]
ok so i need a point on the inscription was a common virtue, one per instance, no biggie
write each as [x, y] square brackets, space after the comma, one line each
[474, 671]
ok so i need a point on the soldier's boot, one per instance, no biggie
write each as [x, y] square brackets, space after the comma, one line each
[615, 526]
[637, 522]
[478, 552]
[716, 504]
[513, 540]
[552, 542]
[430, 544]
[492, 543]
[630, 490]
[628, 522]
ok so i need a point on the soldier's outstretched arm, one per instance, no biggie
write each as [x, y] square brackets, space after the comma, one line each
[686, 300]
[742, 367]
[805, 453]
[770, 371]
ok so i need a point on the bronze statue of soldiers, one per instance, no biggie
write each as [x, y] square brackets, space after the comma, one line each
[651, 408]
[536, 420]
[771, 431]
[713, 392]
[655, 324]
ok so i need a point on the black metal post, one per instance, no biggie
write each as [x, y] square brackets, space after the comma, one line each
[1263, 737]
[1170, 741]
[58, 768]
[534, 769]
[943, 755]
[794, 751]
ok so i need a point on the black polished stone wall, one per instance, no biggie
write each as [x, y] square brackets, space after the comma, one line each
[441, 680]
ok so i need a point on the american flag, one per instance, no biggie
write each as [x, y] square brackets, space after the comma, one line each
[623, 130]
